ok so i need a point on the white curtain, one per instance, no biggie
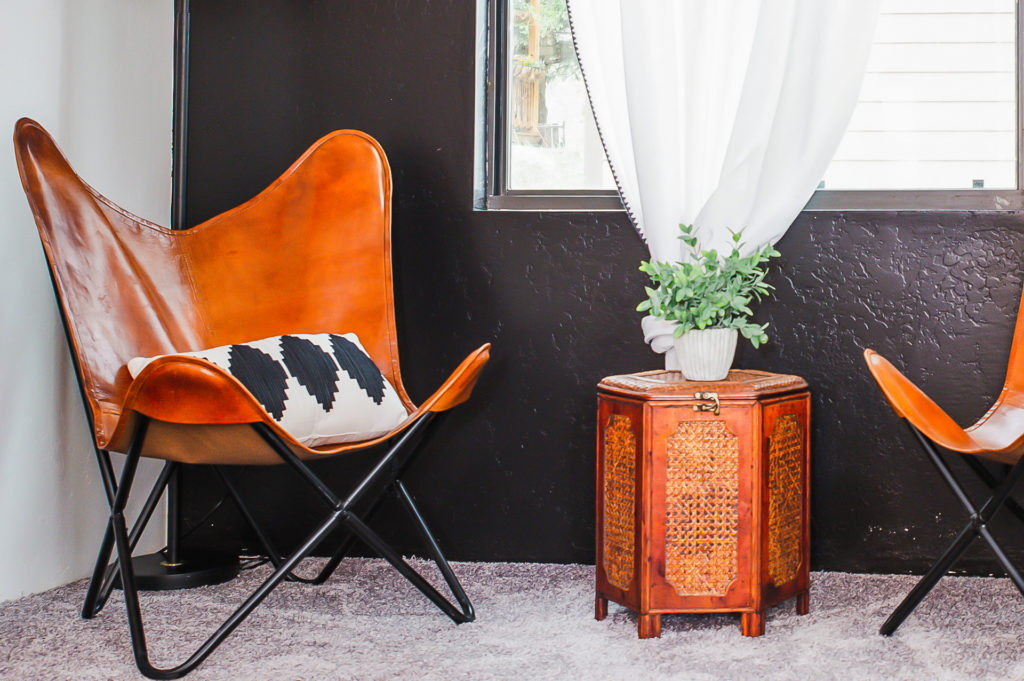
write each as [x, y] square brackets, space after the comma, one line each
[719, 113]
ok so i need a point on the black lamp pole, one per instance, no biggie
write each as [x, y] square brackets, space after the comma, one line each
[182, 19]
[172, 568]
[179, 167]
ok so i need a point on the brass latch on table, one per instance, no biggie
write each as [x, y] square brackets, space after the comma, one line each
[714, 406]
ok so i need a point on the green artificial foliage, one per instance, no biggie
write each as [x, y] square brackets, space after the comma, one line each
[710, 291]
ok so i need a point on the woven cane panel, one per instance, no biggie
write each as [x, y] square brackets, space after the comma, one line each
[619, 500]
[702, 508]
[785, 495]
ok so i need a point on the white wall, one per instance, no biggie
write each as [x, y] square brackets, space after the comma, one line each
[97, 75]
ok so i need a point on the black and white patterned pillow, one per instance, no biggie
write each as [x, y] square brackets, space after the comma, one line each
[321, 388]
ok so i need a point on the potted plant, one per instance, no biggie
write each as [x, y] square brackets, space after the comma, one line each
[709, 298]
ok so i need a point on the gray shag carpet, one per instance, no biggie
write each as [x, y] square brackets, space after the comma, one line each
[534, 623]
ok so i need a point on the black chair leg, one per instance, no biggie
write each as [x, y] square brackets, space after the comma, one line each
[373, 540]
[358, 529]
[104, 576]
[930, 579]
[236, 618]
[1004, 560]
[343, 549]
[398, 461]
[435, 552]
[271, 551]
[91, 607]
[243, 508]
[992, 483]
[383, 475]
[274, 556]
[976, 527]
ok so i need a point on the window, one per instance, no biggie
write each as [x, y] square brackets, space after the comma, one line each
[937, 122]
[542, 149]
[937, 125]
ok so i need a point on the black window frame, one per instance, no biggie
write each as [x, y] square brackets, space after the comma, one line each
[492, 192]
[497, 195]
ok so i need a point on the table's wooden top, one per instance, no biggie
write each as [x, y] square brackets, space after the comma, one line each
[741, 384]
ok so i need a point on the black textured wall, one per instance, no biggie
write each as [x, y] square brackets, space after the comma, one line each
[510, 475]
[935, 293]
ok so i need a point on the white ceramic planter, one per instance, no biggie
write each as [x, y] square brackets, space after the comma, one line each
[706, 354]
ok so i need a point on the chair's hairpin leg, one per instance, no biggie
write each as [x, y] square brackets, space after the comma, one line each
[341, 553]
[398, 462]
[102, 581]
[106, 474]
[435, 552]
[374, 541]
[992, 482]
[975, 527]
[96, 598]
[391, 463]
[236, 618]
[275, 557]
[930, 579]
[122, 543]
[1003, 559]
[384, 473]
[272, 554]
[91, 606]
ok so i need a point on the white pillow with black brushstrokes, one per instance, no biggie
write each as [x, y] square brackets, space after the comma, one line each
[321, 388]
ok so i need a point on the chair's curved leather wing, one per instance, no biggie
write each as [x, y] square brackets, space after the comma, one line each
[309, 254]
[119, 279]
[191, 390]
[1015, 366]
[460, 384]
[998, 435]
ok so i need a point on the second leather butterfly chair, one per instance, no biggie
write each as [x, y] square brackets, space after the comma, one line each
[310, 254]
[997, 437]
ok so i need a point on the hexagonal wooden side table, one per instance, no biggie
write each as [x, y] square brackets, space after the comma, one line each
[702, 495]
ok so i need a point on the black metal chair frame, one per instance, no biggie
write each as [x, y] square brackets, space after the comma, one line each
[977, 526]
[385, 476]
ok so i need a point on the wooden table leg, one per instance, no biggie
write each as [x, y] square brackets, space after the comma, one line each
[600, 608]
[752, 623]
[803, 603]
[648, 626]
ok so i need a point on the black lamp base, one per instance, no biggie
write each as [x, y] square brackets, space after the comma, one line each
[195, 568]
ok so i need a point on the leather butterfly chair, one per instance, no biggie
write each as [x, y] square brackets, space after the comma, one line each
[997, 437]
[310, 254]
